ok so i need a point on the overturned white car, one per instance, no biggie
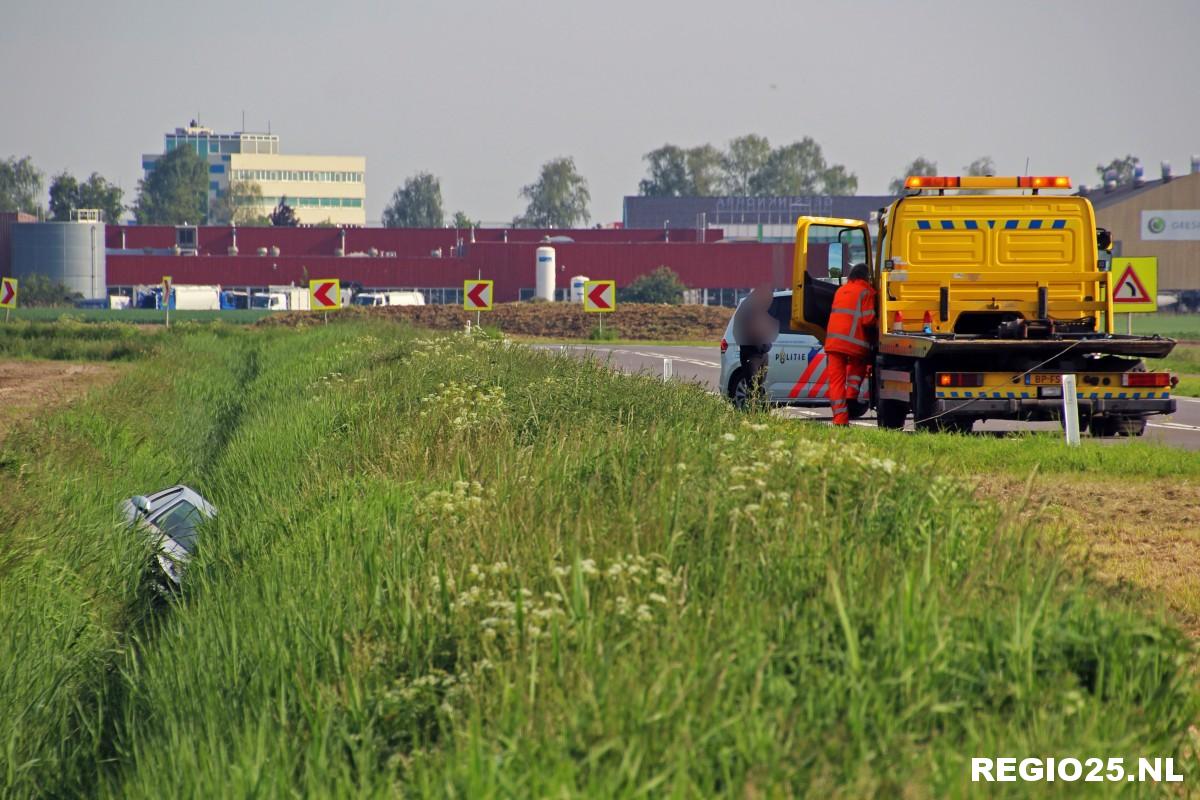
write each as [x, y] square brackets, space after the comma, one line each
[171, 518]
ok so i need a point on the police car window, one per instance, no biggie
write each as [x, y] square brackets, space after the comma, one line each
[781, 311]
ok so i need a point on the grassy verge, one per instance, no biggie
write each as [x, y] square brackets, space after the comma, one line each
[620, 342]
[140, 316]
[1175, 326]
[445, 567]
[1184, 360]
[72, 340]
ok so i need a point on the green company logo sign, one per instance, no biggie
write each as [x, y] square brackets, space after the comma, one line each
[1156, 225]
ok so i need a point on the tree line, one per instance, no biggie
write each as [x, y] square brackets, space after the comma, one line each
[176, 190]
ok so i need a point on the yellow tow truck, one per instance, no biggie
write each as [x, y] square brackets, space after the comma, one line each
[990, 289]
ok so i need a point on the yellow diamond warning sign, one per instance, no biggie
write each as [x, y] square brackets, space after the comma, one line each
[1135, 284]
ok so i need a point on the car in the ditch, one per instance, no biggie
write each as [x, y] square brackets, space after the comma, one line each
[170, 518]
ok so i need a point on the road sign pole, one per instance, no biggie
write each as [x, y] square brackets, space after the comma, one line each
[1070, 409]
[1129, 324]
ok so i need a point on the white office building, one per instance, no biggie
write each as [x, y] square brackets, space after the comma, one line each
[320, 189]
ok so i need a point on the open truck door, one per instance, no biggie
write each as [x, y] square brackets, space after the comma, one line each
[826, 249]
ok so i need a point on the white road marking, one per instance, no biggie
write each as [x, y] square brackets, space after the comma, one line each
[1175, 426]
[1188, 399]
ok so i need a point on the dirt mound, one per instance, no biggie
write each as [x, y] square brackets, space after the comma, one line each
[556, 320]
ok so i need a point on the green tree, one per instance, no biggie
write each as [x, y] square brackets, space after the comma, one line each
[38, 291]
[705, 170]
[176, 190]
[416, 204]
[919, 166]
[557, 199]
[745, 158]
[461, 220]
[67, 195]
[240, 204]
[660, 286]
[667, 173]
[284, 216]
[798, 169]
[980, 166]
[1122, 167]
[837, 180]
[20, 185]
[675, 172]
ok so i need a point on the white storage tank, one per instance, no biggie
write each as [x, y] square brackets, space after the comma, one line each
[577, 284]
[545, 273]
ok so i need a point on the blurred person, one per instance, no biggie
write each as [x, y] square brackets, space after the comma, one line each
[755, 331]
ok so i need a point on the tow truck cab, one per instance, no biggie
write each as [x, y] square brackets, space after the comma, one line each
[986, 299]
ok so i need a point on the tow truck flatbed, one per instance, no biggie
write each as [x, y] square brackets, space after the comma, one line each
[919, 345]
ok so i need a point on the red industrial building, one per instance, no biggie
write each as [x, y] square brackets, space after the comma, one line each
[436, 259]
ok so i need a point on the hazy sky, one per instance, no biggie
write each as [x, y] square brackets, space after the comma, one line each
[481, 94]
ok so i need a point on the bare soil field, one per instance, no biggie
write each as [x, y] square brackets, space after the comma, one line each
[555, 320]
[27, 387]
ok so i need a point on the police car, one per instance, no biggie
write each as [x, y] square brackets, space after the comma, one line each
[795, 366]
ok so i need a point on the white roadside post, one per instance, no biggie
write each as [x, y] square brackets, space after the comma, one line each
[668, 368]
[1070, 409]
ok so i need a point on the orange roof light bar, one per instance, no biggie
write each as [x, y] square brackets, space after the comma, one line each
[987, 182]
[931, 182]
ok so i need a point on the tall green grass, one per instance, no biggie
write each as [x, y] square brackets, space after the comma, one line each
[454, 567]
[69, 339]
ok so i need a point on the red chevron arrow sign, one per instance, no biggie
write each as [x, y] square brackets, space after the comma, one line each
[477, 295]
[324, 294]
[8, 293]
[600, 296]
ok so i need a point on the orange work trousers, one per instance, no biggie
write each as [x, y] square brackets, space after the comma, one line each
[845, 379]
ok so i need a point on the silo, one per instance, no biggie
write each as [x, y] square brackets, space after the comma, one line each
[69, 252]
[545, 273]
[578, 282]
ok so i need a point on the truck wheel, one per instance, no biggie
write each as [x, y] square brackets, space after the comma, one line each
[1131, 426]
[1107, 427]
[891, 414]
[857, 409]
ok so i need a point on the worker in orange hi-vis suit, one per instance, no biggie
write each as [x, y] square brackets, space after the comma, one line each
[848, 340]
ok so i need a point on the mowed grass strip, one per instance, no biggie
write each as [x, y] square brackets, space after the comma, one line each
[454, 567]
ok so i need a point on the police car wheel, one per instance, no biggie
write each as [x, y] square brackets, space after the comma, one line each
[739, 390]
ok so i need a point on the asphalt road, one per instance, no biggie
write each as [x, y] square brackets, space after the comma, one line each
[700, 365]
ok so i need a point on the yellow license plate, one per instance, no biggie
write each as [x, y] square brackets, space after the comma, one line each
[1038, 379]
